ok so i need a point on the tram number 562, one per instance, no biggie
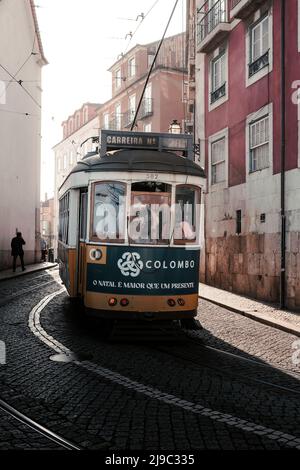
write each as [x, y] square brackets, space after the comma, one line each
[152, 176]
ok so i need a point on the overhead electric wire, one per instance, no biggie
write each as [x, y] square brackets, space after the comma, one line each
[152, 66]
[19, 70]
[132, 35]
[24, 81]
[18, 112]
[139, 25]
[20, 83]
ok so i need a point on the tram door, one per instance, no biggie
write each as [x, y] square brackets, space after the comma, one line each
[82, 233]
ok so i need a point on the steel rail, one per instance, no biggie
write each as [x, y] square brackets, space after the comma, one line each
[201, 362]
[12, 297]
[52, 436]
[229, 373]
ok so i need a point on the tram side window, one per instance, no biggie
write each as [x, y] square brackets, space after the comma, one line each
[186, 214]
[83, 214]
[109, 211]
[63, 233]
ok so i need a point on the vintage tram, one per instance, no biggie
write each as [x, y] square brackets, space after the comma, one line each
[129, 227]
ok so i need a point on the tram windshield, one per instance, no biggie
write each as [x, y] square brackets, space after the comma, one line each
[150, 218]
[150, 213]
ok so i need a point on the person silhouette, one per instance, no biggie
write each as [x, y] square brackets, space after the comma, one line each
[17, 250]
[43, 250]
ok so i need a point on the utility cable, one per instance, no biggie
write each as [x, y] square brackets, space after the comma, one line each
[152, 66]
[21, 85]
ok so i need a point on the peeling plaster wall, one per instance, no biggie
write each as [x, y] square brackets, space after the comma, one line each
[249, 263]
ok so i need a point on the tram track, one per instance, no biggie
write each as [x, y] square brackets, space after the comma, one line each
[208, 361]
[51, 436]
[156, 393]
[6, 300]
[184, 347]
[9, 294]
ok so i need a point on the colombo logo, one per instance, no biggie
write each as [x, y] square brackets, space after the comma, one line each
[130, 264]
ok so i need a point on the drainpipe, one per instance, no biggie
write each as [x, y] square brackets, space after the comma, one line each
[283, 137]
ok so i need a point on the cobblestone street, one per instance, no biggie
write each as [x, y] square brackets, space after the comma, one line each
[183, 396]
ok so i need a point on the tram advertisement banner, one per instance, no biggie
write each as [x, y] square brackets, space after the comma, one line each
[146, 271]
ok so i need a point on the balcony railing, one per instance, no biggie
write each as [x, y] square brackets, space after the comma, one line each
[217, 94]
[242, 8]
[146, 108]
[212, 24]
[259, 64]
[116, 123]
[233, 3]
[128, 118]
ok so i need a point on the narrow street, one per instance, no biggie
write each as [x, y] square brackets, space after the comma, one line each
[231, 385]
[149, 229]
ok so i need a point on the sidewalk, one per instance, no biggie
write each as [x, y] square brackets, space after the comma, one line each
[32, 268]
[259, 311]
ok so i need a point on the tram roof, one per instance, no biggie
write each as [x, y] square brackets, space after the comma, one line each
[127, 160]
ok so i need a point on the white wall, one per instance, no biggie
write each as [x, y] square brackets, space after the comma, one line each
[19, 134]
[71, 145]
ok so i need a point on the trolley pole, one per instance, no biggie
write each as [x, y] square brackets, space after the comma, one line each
[151, 68]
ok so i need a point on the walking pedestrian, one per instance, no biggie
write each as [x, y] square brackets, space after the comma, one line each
[17, 250]
[43, 250]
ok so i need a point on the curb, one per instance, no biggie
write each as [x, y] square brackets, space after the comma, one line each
[25, 273]
[259, 317]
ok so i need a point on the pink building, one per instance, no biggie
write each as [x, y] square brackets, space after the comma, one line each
[164, 98]
[79, 119]
[252, 159]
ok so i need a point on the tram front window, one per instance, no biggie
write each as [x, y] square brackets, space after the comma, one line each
[109, 211]
[150, 213]
[186, 214]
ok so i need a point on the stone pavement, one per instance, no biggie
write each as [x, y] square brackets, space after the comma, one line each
[32, 268]
[150, 397]
[260, 311]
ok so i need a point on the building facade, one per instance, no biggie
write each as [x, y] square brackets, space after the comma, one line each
[165, 97]
[250, 147]
[47, 221]
[165, 100]
[22, 59]
[78, 132]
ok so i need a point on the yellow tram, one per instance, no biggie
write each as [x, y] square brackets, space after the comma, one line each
[129, 227]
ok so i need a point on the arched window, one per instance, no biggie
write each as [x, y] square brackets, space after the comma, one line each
[65, 130]
[71, 126]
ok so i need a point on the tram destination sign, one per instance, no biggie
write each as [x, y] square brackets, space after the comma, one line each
[113, 140]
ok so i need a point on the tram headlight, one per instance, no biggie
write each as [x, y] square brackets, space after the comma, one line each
[96, 254]
[181, 302]
[112, 302]
[124, 302]
[171, 302]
